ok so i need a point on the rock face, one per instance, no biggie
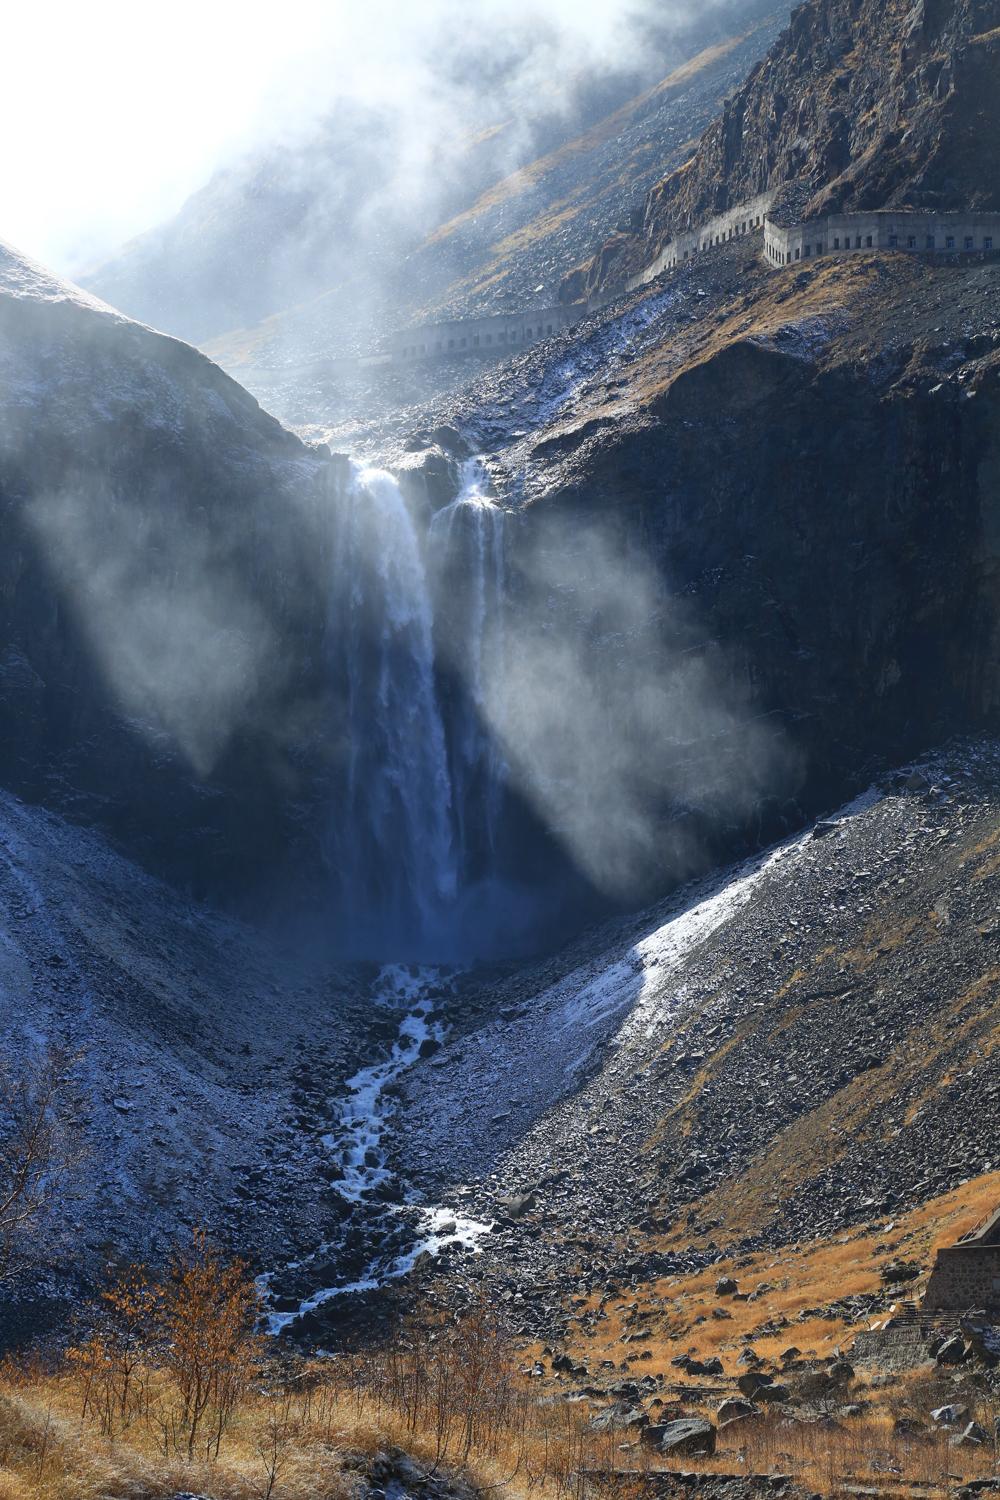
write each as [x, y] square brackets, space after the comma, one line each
[823, 492]
[860, 104]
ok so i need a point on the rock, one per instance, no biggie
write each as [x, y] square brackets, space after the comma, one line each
[952, 1351]
[753, 1381]
[773, 1393]
[517, 1205]
[909, 1427]
[726, 1287]
[713, 1366]
[899, 1271]
[618, 1416]
[734, 1410]
[949, 1416]
[973, 1436]
[688, 1435]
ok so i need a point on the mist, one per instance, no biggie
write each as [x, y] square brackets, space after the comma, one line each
[148, 112]
[627, 730]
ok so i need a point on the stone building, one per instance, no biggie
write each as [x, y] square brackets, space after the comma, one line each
[967, 1274]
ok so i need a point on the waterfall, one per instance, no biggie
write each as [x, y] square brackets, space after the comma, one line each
[393, 843]
[415, 626]
[468, 540]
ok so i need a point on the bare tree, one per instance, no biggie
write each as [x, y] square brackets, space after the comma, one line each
[37, 1151]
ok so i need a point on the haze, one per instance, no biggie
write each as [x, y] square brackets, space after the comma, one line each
[120, 112]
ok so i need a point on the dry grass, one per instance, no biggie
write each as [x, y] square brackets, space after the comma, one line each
[787, 1285]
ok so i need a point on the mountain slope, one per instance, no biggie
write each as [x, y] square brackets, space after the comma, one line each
[188, 1076]
[794, 1048]
[317, 250]
[881, 104]
[151, 581]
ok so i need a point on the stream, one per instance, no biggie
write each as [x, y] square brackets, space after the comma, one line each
[399, 1233]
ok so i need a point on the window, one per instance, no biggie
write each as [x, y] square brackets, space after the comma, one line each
[868, 242]
[987, 243]
[969, 242]
[930, 242]
[893, 241]
[819, 249]
[949, 243]
[807, 250]
[475, 341]
[836, 244]
[451, 343]
[911, 242]
[857, 242]
[550, 328]
[797, 254]
[489, 338]
[463, 343]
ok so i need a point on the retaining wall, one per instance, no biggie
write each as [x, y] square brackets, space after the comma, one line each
[745, 218]
[918, 233]
[501, 333]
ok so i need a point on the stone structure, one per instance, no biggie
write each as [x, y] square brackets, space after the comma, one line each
[499, 333]
[967, 1274]
[837, 234]
[887, 229]
[746, 218]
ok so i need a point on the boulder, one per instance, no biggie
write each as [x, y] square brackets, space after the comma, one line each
[734, 1410]
[949, 1416]
[726, 1286]
[952, 1352]
[972, 1436]
[688, 1435]
[619, 1416]
[753, 1381]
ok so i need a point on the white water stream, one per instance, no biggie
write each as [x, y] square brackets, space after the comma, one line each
[356, 1144]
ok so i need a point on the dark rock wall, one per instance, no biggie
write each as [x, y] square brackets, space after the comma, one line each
[160, 577]
[835, 544]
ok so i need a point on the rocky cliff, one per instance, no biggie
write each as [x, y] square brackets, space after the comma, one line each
[810, 463]
[860, 104]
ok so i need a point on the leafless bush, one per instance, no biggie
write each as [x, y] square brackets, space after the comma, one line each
[38, 1149]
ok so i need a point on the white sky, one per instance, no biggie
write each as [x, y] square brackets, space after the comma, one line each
[113, 111]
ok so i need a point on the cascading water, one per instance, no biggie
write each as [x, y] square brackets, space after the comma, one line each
[415, 631]
[467, 545]
[393, 841]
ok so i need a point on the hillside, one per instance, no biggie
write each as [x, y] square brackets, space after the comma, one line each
[141, 668]
[294, 257]
[800, 1047]
[876, 105]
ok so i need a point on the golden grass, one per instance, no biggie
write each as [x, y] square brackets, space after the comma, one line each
[798, 1278]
